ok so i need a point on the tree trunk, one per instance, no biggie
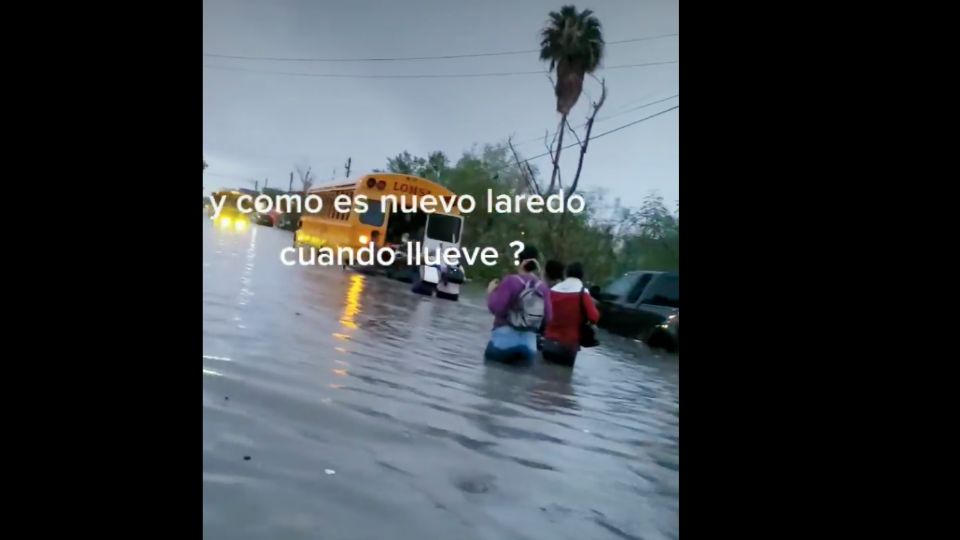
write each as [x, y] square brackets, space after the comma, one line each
[568, 88]
[556, 155]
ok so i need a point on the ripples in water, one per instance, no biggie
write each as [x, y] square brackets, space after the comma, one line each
[313, 369]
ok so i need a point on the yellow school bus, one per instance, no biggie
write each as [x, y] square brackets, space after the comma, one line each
[386, 229]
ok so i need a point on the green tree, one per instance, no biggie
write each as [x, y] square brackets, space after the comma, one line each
[573, 43]
[655, 220]
[404, 163]
[434, 166]
[431, 167]
[607, 239]
[651, 238]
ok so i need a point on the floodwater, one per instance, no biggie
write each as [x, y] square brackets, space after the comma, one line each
[342, 406]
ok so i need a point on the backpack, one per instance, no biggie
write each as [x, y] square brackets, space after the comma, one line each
[528, 311]
[588, 337]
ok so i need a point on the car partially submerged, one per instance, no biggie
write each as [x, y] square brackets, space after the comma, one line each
[644, 305]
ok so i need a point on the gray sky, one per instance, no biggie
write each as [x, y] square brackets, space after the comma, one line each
[258, 125]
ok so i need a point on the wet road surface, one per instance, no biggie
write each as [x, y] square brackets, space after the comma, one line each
[341, 406]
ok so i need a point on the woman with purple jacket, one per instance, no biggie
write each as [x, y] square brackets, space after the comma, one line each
[521, 307]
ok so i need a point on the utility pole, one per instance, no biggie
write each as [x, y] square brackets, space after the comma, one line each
[265, 180]
[348, 166]
[290, 187]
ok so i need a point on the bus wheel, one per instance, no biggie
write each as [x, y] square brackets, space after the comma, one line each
[448, 296]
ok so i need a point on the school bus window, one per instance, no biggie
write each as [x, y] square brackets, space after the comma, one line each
[374, 214]
[444, 228]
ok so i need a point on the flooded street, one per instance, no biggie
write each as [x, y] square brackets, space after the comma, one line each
[342, 406]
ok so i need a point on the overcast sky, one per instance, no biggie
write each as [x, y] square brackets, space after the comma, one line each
[257, 125]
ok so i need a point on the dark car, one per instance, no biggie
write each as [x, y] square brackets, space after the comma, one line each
[269, 219]
[288, 221]
[644, 305]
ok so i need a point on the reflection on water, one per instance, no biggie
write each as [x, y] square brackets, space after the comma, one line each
[351, 305]
[335, 370]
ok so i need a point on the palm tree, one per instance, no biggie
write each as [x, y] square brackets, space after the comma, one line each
[573, 43]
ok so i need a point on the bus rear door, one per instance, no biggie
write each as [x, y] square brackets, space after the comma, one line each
[443, 232]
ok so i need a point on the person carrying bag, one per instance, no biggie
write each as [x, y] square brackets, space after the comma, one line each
[520, 305]
[574, 314]
[588, 334]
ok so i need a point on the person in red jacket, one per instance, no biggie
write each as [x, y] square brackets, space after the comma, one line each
[562, 336]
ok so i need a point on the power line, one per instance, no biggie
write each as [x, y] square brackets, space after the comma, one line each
[411, 58]
[632, 102]
[421, 76]
[538, 156]
[528, 141]
[614, 130]
[638, 107]
[609, 131]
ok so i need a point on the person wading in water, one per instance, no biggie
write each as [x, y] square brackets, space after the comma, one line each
[520, 305]
[570, 303]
